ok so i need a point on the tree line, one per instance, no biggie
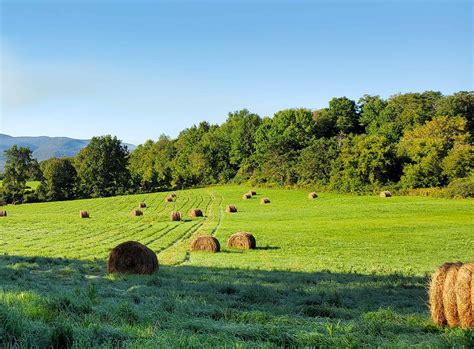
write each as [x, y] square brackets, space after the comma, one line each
[408, 141]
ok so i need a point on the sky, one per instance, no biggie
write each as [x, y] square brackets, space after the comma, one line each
[138, 69]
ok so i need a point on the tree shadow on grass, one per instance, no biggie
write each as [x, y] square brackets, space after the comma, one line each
[210, 306]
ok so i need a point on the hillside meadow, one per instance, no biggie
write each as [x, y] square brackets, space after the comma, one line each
[340, 270]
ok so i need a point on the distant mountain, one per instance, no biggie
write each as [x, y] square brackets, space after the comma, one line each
[44, 148]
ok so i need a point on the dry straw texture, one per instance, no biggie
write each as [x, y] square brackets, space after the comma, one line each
[84, 214]
[451, 295]
[385, 194]
[205, 243]
[132, 257]
[231, 209]
[242, 240]
[3, 213]
[265, 201]
[312, 195]
[136, 212]
[246, 196]
[142, 205]
[175, 216]
[195, 212]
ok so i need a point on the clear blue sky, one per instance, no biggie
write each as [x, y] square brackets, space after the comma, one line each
[137, 69]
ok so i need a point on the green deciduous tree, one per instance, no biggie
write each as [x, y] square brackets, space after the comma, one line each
[17, 172]
[60, 180]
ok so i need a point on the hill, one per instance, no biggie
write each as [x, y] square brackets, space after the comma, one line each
[44, 147]
[337, 271]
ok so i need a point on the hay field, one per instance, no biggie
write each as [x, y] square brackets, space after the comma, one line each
[339, 270]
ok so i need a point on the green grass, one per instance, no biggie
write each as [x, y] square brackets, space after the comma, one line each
[338, 271]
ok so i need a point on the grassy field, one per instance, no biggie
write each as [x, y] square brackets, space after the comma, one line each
[338, 271]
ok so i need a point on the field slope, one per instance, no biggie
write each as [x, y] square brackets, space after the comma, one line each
[346, 271]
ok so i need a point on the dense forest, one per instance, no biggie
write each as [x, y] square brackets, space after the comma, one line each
[411, 143]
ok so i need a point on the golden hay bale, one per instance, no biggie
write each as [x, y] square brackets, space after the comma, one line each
[246, 196]
[142, 204]
[449, 295]
[231, 209]
[385, 194]
[264, 200]
[132, 257]
[312, 195]
[175, 216]
[84, 214]
[195, 212]
[136, 212]
[253, 192]
[206, 243]
[436, 294]
[169, 199]
[173, 195]
[242, 240]
[3, 213]
[465, 295]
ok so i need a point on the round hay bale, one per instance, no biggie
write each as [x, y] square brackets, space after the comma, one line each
[169, 199]
[465, 295]
[175, 216]
[132, 257]
[142, 205]
[242, 240]
[436, 294]
[385, 194]
[206, 243]
[3, 213]
[136, 213]
[246, 196]
[312, 195]
[264, 200]
[231, 209]
[195, 212]
[253, 192]
[449, 295]
[84, 214]
[173, 195]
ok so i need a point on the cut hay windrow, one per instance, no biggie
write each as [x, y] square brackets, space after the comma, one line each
[264, 201]
[242, 240]
[231, 208]
[451, 295]
[205, 243]
[195, 212]
[175, 216]
[142, 205]
[385, 194]
[132, 257]
[312, 195]
[3, 213]
[136, 212]
[84, 214]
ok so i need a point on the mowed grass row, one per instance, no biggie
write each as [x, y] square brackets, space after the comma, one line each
[337, 271]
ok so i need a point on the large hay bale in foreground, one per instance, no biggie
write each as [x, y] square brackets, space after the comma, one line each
[451, 295]
[312, 195]
[142, 204]
[247, 196]
[242, 240]
[3, 213]
[206, 243]
[385, 194]
[169, 199]
[264, 200]
[195, 212]
[84, 214]
[231, 208]
[175, 216]
[132, 257]
[136, 213]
